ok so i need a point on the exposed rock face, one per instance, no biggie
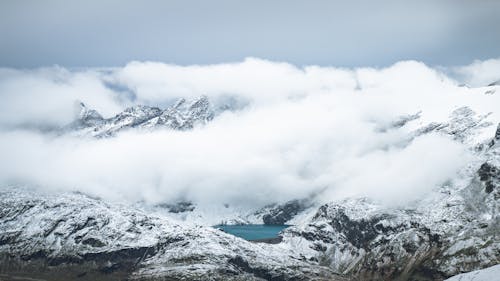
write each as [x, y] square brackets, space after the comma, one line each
[179, 207]
[490, 176]
[378, 245]
[280, 214]
[497, 134]
[447, 235]
[71, 236]
[87, 118]
[496, 83]
[496, 139]
[183, 115]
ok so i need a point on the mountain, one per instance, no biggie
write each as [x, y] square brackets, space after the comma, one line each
[451, 230]
[183, 115]
[71, 236]
[495, 83]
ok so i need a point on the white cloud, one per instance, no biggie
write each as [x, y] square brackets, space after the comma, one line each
[47, 96]
[396, 176]
[256, 79]
[479, 73]
[305, 129]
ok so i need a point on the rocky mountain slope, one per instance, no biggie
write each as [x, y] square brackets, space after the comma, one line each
[71, 236]
[453, 229]
[183, 115]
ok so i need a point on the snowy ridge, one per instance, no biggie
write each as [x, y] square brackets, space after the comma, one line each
[84, 237]
[487, 274]
[183, 115]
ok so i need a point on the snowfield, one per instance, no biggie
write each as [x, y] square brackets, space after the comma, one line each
[487, 274]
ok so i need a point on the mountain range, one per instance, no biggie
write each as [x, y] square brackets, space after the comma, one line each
[183, 115]
[75, 236]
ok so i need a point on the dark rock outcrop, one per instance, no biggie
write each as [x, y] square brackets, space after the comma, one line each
[490, 176]
[280, 214]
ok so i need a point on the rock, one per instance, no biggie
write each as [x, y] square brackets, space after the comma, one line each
[179, 207]
[87, 117]
[496, 139]
[280, 214]
[183, 115]
[490, 176]
[496, 83]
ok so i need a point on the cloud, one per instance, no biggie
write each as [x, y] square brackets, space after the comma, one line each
[304, 130]
[397, 176]
[255, 79]
[46, 96]
[479, 73]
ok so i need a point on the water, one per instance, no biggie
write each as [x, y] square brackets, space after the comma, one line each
[253, 231]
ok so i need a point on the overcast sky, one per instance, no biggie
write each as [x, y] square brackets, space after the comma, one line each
[341, 33]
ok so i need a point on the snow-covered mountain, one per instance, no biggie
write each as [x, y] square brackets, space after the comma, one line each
[182, 115]
[72, 236]
[453, 229]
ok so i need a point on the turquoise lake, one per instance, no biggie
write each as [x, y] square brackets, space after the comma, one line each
[253, 231]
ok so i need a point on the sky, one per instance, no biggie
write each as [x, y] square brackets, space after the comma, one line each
[315, 32]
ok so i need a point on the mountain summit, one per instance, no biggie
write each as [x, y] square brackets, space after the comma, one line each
[183, 115]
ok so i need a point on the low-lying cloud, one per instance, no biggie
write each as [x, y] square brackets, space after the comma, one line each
[302, 131]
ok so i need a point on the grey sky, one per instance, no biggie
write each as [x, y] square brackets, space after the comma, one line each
[342, 33]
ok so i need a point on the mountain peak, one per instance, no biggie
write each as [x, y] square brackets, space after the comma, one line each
[86, 117]
[183, 115]
[179, 103]
[495, 83]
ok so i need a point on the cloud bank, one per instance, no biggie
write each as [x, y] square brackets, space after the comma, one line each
[301, 131]
[479, 73]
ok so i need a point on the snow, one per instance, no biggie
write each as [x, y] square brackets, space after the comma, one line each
[69, 224]
[183, 115]
[488, 274]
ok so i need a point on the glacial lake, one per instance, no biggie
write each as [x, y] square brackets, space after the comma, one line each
[253, 231]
